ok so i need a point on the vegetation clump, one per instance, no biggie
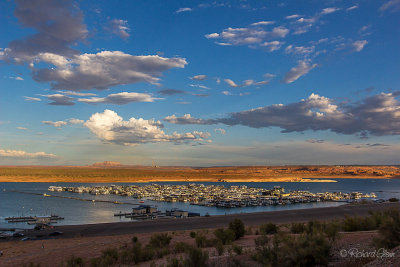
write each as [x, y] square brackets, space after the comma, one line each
[237, 227]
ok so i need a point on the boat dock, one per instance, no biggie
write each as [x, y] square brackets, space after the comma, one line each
[34, 219]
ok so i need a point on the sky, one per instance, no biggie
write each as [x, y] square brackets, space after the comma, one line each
[199, 83]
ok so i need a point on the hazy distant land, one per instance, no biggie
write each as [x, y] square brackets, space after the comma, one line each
[113, 172]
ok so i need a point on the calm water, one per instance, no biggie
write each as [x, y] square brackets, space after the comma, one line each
[84, 212]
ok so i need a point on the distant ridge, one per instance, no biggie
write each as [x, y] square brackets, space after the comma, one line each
[107, 164]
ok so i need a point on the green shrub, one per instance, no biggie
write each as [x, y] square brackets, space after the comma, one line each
[297, 228]
[160, 240]
[393, 199]
[201, 240]
[389, 230]
[174, 262]
[226, 236]
[237, 249]
[192, 234]
[237, 227]
[180, 247]
[134, 239]
[196, 257]
[219, 247]
[268, 229]
[75, 262]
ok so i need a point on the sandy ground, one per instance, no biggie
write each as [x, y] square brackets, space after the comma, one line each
[87, 241]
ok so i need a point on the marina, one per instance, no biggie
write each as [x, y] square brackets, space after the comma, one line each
[216, 195]
[28, 199]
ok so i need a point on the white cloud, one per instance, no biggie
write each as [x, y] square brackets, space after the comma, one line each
[391, 5]
[231, 83]
[19, 154]
[76, 93]
[120, 98]
[28, 98]
[183, 9]
[110, 127]
[273, 45]
[352, 8]
[300, 50]
[245, 83]
[200, 86]
[22, 128]
[212, 35]
[226, 93]
[75, 121]
[263, 23]
[55, 123]
[329, 10]
[199, 77]
[248, 36]
[302, 68]
[17, 78]
[377, 115]
[103, 70]
[119, 27]
[294, 16]
[359, 45]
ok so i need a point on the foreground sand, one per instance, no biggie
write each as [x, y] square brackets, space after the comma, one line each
[98, 174]
[87, 241]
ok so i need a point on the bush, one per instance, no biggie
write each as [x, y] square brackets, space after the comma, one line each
[297, 228]
[75, 262]
[174, 262]
[237, 249]
[192, 234]
[237, 227]
[226, 236]
[180, 247]
[393, 199]
[134, 239]
[160, 240]
[201, 240]
[219, 247]
[389, 230]
[268, 229]
[196, 257]
[310, 249]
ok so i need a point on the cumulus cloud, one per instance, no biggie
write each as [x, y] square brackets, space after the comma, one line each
[110, 127]
[359, 45]
[103, 70]
[75, 121]
[212, 35]
[120, 28]
[187, 119]
[19, 154]
[171, 92]
[375, 115]
[252, 35]
[60, 100]
[17, 78]
[76, 93]
[56, 124]
[183, 9]
[58, 25]
[22, 128]
[199, 77]
[28, 98]
[300, 50]
[120, 98]
[302, 68]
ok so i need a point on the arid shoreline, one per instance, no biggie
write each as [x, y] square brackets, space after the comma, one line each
[140, 174]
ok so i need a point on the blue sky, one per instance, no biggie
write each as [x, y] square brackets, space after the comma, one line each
[200, 83]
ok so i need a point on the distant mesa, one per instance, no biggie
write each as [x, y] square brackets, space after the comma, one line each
[107, 164]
